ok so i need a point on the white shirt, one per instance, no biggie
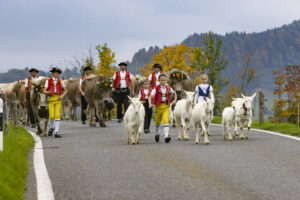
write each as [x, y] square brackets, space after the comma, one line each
[163, 91]
[203, 87]
[156, 75]
[55, 81]
[122, 76]
[26, 81]
[80, 81]
[146, 91]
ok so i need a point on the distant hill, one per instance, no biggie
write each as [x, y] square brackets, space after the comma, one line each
[272, 49]
[20, 74]
[142, 57]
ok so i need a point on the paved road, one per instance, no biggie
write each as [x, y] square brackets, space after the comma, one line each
[96, 163]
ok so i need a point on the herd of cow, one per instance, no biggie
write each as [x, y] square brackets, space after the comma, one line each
[101, 101]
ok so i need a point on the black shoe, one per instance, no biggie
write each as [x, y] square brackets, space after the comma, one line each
[50, 132]
[119, 120]
[156, 138]
[146, 131]
[167, 139]
[33, 126]
[57, 135]
[83, 122]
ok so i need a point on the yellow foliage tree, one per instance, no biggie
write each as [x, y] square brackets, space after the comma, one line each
[106, 61]
[174, 56]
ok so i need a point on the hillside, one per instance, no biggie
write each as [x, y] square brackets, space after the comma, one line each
[272, 49]
[20, 74]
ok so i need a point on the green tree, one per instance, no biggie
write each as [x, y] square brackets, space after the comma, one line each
[106, 61]
[212, 61]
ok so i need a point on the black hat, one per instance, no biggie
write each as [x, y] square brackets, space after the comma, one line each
[123, 63]
[34, 70]
[87, 68]
[156, 65]
[56, 69]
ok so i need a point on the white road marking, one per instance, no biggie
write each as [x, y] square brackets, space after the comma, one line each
[270, 132]
[43, 182]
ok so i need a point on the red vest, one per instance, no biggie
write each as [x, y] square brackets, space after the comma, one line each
[143, 95]
[158, 95]
[51, 87]
[29, 83]
[153, 79]
[118, 79]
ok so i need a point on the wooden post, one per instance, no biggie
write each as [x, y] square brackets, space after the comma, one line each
[14, 111]
[261, 100]
[5, 116]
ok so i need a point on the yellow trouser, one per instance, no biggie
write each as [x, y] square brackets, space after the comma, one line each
[162, 113]
[54, 107]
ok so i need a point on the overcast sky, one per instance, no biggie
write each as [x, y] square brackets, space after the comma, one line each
[38, 33]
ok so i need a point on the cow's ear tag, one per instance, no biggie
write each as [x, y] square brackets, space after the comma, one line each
[98, 82]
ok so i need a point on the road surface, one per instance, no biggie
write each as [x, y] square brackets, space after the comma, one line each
[97, 163]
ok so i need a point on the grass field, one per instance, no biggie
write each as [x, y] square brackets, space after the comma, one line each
[14, 163]
[286, 128]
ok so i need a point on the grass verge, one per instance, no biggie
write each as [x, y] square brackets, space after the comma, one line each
[14, 163]
[285, 128]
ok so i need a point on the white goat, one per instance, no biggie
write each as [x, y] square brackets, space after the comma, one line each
[229, 121]
[244, 113]
[183, 115]
[134, 120]
[201, 116]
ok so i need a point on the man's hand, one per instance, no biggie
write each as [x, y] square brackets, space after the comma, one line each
[25, 100]
[82, 93]
[113, 89]
[150, 105]
[60, 97]
[173, 103]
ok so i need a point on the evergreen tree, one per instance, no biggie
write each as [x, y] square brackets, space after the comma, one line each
[212, 61]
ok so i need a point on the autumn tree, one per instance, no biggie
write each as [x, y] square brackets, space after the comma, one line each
[288, 91]
[226, 99]
[174, 56]
[279, 103]
[292, 88]
[247, 72]
[106, 61]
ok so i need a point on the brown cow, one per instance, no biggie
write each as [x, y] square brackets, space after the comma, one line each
[8, 90]
[73, 96]
[39, 104]
[94, 95]
[137, 83]
[109, 104]
[180, 85]
[19, 89]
